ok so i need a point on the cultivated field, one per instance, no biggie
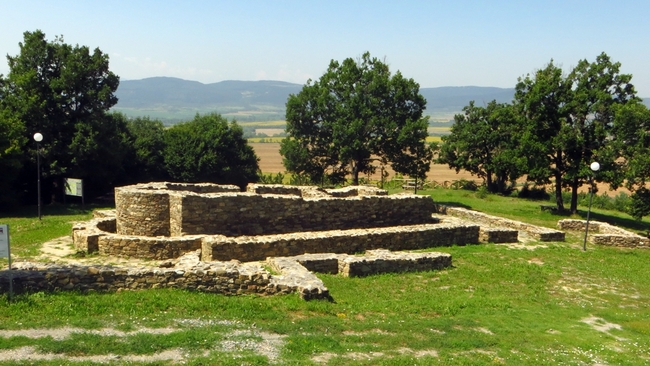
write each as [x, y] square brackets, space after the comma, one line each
[271, 162]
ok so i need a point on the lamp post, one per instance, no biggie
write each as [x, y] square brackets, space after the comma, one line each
[595, 166]
[38, 138]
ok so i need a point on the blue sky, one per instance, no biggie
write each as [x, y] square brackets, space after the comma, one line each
[437, 43]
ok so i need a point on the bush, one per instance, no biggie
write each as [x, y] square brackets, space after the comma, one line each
[270, 178]
[536, 193]
[622, 202]
[482, 192]
[468, 185]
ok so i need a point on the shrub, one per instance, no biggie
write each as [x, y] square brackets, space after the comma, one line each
[482, 192]
[468, 185]
[270, 178]
[536, 193]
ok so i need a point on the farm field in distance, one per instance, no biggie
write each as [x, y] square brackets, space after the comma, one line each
[271, 162]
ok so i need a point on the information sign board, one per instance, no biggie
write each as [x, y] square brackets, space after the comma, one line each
[4, 241]
[74, 187]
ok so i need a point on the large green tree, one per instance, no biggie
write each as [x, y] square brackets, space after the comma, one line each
[483, 141]
[63, 92]
[568, 120]
[12, 139]
[357, 113]
[631, 141]
[209, 149]
[147, 141]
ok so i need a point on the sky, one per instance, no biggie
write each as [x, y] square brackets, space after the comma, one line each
[436, 43]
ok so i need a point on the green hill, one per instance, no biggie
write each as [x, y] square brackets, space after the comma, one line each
[173, 100]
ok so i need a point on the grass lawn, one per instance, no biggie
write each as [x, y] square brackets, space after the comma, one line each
[536, 304]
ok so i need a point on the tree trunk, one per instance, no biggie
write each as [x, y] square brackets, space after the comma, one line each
[558, 181]
[488, 175]
[558, 190]
[574, 195]
[355, 174]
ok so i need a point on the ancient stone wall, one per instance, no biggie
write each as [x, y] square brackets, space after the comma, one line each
[538, 232]
[603, 233]
[142, 212]
[253, 214]
[227, 278]
[166, 209]
[253, 248]
[88, 237]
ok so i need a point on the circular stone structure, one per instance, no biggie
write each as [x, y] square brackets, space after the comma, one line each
[165, 220]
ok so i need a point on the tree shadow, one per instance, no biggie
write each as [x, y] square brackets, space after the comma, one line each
[453, 204]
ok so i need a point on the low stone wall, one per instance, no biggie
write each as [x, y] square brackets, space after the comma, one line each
[88, 237]
[603, 233]
[98, 235]
[253, 248]
[621, 241]
[297, 277]
[538, 232]
[147, 247]
[384, 261]
[229, 278]
[498, 235]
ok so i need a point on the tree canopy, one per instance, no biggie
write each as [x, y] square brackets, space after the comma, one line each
[63, 92]
[357, 113]
[568, 120]
[483, 142]
[209, 149]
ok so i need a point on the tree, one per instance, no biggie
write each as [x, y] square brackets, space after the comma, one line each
[147, 140]
[11, 140]
[355, 114]
[568, 120]
[632, 142]
[64, 93]
[483, 142]
[209, 149]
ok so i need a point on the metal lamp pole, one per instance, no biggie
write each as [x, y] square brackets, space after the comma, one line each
[595, 166]
[38, 138]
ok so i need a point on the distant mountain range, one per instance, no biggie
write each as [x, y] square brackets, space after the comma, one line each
[173, 99]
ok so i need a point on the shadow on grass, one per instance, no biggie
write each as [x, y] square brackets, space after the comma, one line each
[453, 204]
[26, 212]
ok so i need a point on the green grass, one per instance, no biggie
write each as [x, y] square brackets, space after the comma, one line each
[496, 305]
[28, 232]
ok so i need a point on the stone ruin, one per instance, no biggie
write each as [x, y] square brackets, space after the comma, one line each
[215, 238]
[166, 220]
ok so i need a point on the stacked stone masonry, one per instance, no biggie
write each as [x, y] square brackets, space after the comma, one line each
[605, 234]
[296, 229]
[166, 220]
[229, 278]
[538, 232]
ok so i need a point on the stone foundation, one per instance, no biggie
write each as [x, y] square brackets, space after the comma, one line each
[603, 233]
[252, 248]
[158, 210]
[166, 220]
[228, 278]
[538, 232]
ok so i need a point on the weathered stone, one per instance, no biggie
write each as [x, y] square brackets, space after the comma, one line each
[606, 234]
[538, 232]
